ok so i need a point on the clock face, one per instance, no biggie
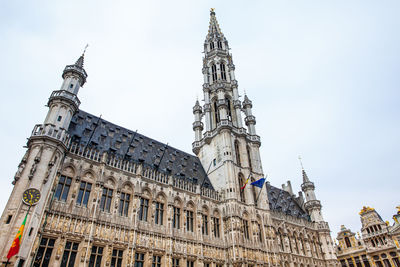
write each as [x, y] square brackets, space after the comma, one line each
[31, 196]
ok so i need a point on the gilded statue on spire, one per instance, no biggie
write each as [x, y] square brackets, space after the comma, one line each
[366, 209]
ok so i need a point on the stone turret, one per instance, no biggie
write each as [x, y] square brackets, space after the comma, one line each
[47, 147]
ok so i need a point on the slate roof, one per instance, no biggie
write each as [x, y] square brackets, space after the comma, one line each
[281, 200]
[90, 130]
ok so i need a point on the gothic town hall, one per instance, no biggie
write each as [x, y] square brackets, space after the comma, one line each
[110, 196]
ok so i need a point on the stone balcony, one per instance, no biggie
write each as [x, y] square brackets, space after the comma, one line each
[52, 132]
[64, 95]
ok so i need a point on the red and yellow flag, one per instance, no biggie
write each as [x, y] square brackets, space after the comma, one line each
[245, 183]
[17, 240]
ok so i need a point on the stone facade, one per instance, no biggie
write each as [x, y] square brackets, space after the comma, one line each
[378, 244]
[113, 197]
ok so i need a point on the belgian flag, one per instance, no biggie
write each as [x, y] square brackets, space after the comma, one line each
[17, 240]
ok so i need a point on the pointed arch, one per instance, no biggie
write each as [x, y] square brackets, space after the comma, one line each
[241, 184]
[237, 153]
[249, 157]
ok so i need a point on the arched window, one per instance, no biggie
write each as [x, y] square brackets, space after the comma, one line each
[241, 183]
[216, 113]
[296, 245]
[260, 237]
[214, 72]
[144, 209]
[281, 239]
[290, 244]
[219, 44]
[216, 224]
[237, 153]
[249, 157]
[106, 198]
[212, 46]
[253, 190]
[223, 73]
[176, 219]
[190, 217]
[246, 229]
[159, 210]
[347, 240]
[228, 102]
[204, 226]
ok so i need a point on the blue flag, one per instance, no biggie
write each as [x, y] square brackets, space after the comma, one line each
[259, 183]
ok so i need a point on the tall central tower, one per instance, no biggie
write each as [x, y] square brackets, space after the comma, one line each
[228, 150]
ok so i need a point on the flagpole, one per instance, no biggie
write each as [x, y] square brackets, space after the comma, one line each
[261, 190]
[27, 212]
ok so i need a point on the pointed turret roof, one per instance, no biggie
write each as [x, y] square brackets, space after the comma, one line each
[77, 68]
[80, 61]
[214, 30]
[305, 177]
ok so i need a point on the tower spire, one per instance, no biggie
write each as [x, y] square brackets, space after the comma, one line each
[214, 31]
[81, 59]
[305, 177]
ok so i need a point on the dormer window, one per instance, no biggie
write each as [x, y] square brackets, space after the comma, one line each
[71, 86]
[211, 46]
[219, 44]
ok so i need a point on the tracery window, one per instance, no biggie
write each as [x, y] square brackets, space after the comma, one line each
[189, 220]
[249, 157]
[228, 103]
[241, 184]
[96, 256]
[216, 227]
[63, 187]
[216, 113]
[159, 213]
[139, 259]
[214, 72]
[124, 204]
[176, 220]
[175, 262]
[70, 251]
[44, 252]
[246, 229]
[144, 208]
[219, 44]
[156, 261]
[204, 227]
[237, 153]
[259, 232]
[116, 259]
[211, 45]
[106, 198]
[84, 193]
[223, 73]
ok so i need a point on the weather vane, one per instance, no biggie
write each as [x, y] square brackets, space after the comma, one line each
[301, 163]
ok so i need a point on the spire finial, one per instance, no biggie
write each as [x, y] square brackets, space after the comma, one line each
[212, 11]
[305, 177]
[84, 50]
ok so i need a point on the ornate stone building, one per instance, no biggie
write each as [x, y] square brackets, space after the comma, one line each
[378, 245]
[113, 197]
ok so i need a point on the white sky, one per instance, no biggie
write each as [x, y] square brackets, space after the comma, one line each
[322, 75]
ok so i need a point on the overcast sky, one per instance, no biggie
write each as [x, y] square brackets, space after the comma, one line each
[323, 77]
